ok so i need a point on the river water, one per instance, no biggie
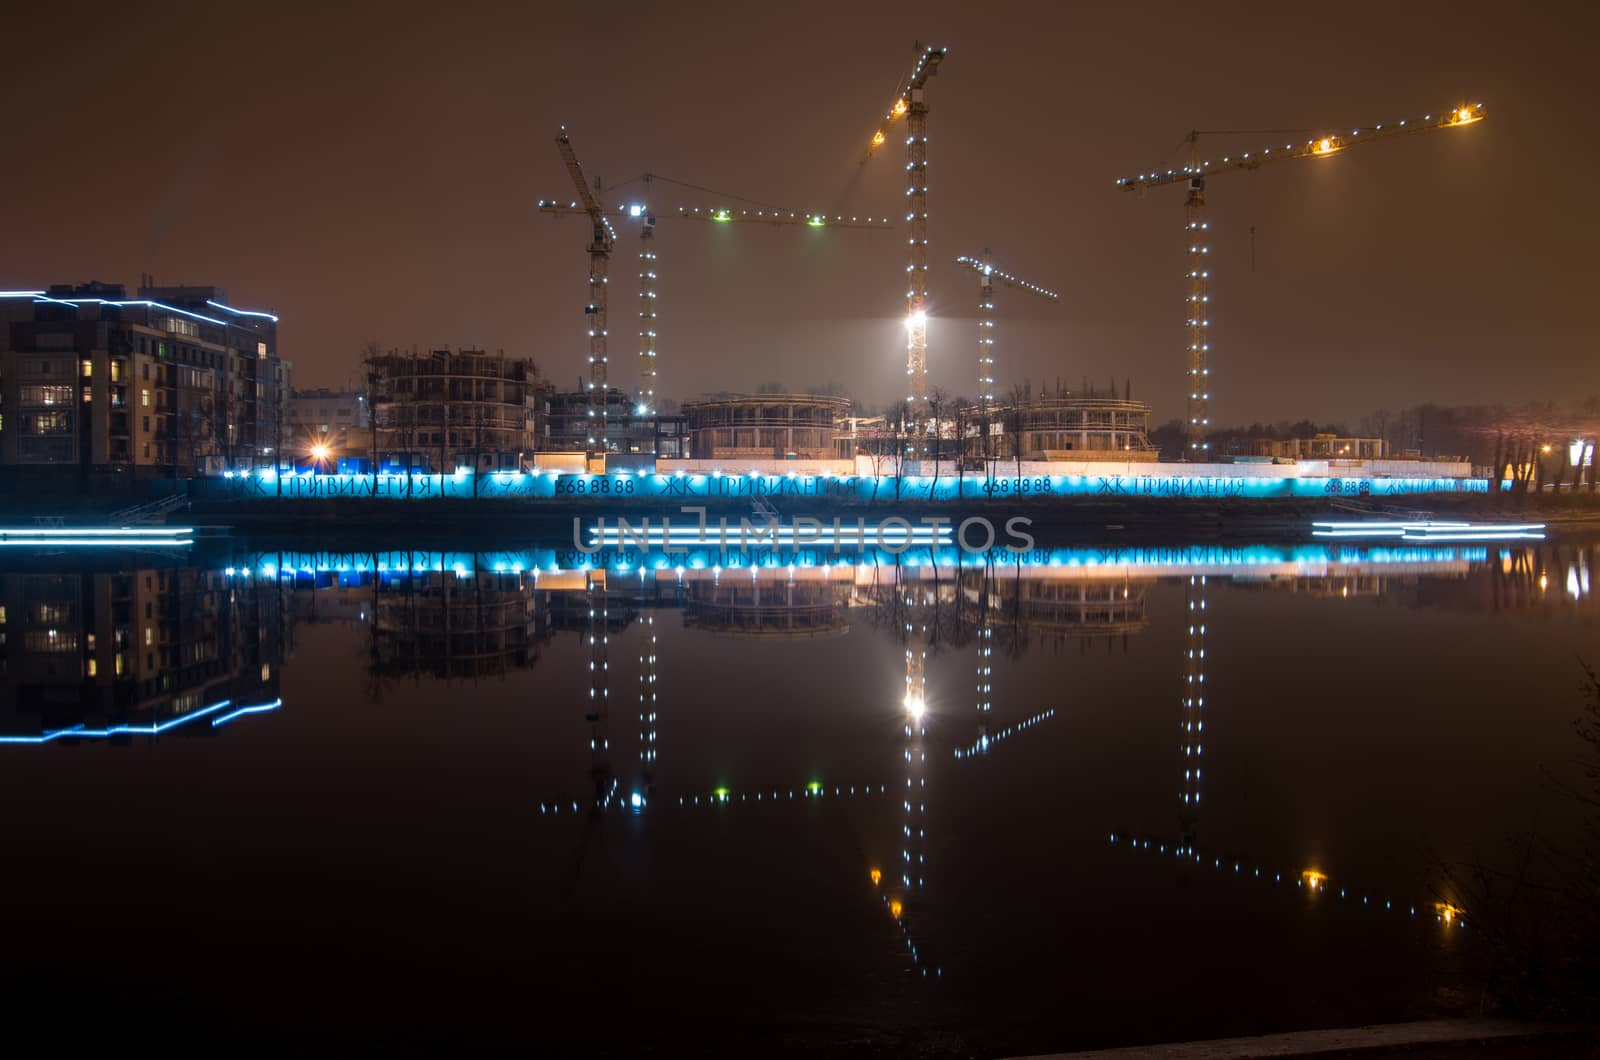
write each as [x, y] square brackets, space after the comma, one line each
[765, 803]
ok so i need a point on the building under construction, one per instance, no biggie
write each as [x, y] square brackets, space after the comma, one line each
[1321, 447]
[449, 627]
[1070, 427]
[768, 609]
[446, 409]
[764, 426]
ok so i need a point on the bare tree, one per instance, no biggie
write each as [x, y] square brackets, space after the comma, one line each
[370, 353]
[938, 403]
[900, 413]
[962, 417]
[1021, 396]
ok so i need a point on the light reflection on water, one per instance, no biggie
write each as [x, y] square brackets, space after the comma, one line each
[936, 731]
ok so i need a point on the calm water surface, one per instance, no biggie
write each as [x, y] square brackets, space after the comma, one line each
[1059, 802]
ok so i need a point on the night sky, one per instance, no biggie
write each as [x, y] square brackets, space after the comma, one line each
[372, 174]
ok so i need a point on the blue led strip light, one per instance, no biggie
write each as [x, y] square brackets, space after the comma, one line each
[259, 708]
[94, 537]
[82, 732]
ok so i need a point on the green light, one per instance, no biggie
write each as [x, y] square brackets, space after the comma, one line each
[721, 794]
[721, 215]
[815, 787]
[815, 222]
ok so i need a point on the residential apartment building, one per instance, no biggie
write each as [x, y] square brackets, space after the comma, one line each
[133, 644]
[172, 383]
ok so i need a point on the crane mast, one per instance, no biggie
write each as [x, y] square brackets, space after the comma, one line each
[602, 239]
[647, 306]
[911, 103]
[1197, 229]
[985, 334]
[917, 216]
[1197, 302]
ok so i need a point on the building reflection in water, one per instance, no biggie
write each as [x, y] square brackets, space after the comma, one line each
[445, 624]
[127, 645]
[107, 649]
[785, 603]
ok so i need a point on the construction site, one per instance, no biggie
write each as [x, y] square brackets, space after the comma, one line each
[1003, 429]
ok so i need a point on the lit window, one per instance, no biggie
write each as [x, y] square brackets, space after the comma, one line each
[144, 398]
[47, 423]
[93, 668]
[120, 665]
[45, 395]
[86, 368]
[149, 635]
[50, 642]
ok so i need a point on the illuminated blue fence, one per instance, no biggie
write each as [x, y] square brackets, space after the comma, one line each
[682, 486]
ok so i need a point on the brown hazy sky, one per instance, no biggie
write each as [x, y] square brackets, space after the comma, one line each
[372, 172]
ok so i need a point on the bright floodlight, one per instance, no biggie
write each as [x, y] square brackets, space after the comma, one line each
[916, 706]
[319, 452]
[919, 319]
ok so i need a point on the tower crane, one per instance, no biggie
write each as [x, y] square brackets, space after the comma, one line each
[911, 103]
[1197, 298]
[987, 275]
[644, 213]
[602, 239]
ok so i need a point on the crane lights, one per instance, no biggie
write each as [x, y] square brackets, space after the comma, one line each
[1191, 722]
[987, 274]
[989, 270]
[782, 217]
[1323, 144]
